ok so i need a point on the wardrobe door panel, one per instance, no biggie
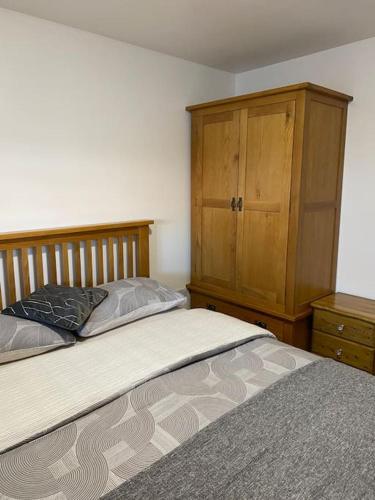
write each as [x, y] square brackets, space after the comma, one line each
[216, 173]
[263, 270]
[217, 255]
[266, 158]
[220, 158]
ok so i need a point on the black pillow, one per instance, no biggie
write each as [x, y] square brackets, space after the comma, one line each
[67, 307]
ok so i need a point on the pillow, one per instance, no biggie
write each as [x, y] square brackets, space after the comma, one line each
[129, 300]
[62, 306]
[21, 338]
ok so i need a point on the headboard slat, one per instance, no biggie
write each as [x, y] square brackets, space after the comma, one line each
[88, 261]
[39, 266]
[25, 271]
[65, 263]
[129, 258]
[46, 244]
[77, 264]
[10, 275]
[52, 276]
[111, 273]
[120, 257]
[99, 257]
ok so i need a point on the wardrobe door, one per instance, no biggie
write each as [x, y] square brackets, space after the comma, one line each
[264, 186]
[214, 190]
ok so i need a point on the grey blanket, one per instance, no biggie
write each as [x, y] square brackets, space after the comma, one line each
[309, 436]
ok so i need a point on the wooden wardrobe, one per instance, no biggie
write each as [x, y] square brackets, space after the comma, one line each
[266, 189]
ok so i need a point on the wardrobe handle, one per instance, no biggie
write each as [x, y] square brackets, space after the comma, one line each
[233, 204]
[239, 204]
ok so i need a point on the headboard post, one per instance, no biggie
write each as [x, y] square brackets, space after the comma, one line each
[79, 255]
[144, 258]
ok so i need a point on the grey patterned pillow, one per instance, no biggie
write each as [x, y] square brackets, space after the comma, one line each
[129, 300]
[22, 338]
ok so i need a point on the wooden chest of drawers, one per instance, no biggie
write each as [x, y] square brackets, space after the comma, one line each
[344, 329]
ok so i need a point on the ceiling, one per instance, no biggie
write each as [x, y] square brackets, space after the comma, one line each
[234, 35]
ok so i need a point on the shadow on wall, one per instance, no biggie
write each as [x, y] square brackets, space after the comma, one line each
[186, 293]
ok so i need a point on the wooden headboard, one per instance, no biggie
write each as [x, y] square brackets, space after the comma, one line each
[78, 255]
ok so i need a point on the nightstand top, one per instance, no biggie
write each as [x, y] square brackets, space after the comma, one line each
[348, 305]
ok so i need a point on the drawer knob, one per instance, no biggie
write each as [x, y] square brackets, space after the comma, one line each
[211, 307]
[340, 328]
[338, 353]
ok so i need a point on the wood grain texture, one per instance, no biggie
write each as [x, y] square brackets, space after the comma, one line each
[234, 297]
[120, 258]
[10, 276]
[196, 197]
[20, 243]
[277, 91]
[281, 242]
[52, 275]
[344, 329]
[265, 189]
[143, 258]
[65, 264]
[110, 252]
[100, 262]
[296, 333]
[129, 257]
[25, 271]
[348, 352]
[339, 197]
[218, 264]
[69, 231]
[316, 244]
[295, 201]
[272, 324]
[88, 263]
[320, 199]
[219, 161]
[77, 264]
[39, 266]
[348, 305]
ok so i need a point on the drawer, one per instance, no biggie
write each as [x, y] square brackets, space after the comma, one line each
[264, 321]
[348, 352]
[344, 327]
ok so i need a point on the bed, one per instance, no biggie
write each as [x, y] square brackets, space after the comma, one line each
[181, 404]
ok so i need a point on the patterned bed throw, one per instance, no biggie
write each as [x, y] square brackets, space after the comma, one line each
[97, 452]
[39, 394]
[309, 436]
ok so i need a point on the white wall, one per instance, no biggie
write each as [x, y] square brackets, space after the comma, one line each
[349, 69]
[94, 130]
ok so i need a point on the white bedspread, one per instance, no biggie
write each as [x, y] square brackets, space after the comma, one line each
[39, 393]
